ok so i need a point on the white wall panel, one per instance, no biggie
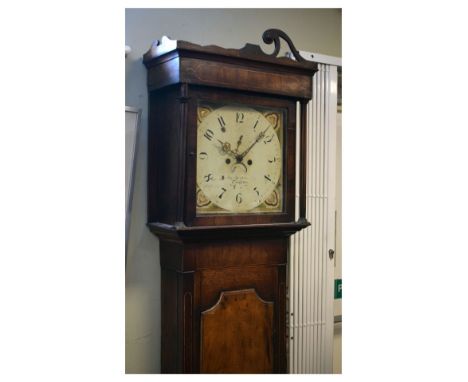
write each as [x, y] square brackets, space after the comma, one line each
[310, 270]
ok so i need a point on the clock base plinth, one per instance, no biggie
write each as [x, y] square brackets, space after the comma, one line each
[224, 305]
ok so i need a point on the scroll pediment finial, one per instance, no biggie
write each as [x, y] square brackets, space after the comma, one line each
[271, 36]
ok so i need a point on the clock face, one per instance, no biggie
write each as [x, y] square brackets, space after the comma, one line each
[239, 160]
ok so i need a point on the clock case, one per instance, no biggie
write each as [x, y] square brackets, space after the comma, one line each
[221, 272]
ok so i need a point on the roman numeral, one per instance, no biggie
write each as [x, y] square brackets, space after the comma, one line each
[221, 121]
[209, 134]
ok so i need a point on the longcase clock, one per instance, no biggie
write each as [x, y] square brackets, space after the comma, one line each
[221, 199]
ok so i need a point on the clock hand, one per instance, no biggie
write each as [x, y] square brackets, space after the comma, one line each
[241, 156]
[239, 142]
[226, 148]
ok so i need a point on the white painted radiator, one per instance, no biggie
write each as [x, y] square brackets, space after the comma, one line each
[310, 270]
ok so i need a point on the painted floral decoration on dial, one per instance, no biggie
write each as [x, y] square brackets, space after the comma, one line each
[239, 159]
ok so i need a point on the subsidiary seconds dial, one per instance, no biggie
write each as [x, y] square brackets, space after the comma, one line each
[239, 158]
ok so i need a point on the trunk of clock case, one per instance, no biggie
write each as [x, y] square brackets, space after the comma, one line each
[224, 304]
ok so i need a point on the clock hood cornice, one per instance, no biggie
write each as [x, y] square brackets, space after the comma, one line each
[171, 62]
[161, 50]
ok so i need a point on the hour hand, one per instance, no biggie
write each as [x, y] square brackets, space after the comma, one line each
[238, 143]
[226, 148]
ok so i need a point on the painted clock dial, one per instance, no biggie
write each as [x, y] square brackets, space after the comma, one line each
[239, 160]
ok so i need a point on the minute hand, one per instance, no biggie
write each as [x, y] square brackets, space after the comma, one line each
[245, 152]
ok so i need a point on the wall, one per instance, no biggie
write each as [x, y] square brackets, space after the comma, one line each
[315, 30]
[338, 248]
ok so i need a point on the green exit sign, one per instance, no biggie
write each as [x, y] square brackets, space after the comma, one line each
[338, 288]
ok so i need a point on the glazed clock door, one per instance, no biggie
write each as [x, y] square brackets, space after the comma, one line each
[240, 159]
